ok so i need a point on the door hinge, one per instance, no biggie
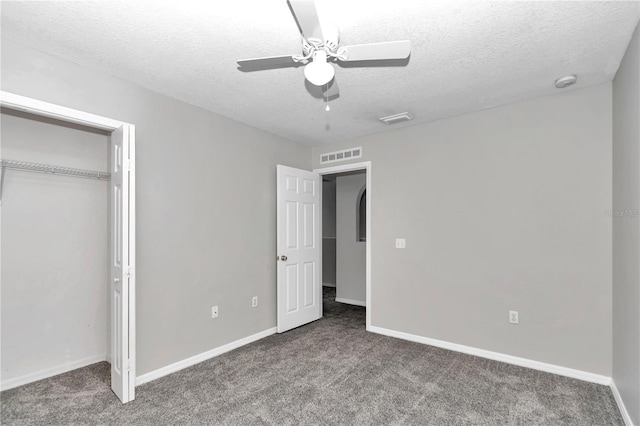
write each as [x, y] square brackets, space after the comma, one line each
[128, 365]
[128, 165]
[128, 272]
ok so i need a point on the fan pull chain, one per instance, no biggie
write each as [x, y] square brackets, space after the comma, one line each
[327, 99]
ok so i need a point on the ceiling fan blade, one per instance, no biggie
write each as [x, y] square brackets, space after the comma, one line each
[377, 51]
[306, 16]
[270, 62]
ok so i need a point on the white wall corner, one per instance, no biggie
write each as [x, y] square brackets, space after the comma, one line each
[196, 359]
[496, 356]
[623, 410]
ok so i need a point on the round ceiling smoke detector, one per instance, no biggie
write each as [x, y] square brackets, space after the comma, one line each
[566, 81]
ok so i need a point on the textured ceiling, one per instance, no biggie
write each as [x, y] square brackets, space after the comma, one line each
[466, 55]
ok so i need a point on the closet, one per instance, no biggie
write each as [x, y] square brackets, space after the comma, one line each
[65, 240]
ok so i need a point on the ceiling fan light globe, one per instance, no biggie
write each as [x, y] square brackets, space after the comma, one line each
[319, 74]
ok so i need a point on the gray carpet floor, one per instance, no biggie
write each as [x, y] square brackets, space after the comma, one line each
[329, 372]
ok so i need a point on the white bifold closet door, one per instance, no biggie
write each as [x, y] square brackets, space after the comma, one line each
[122, 278]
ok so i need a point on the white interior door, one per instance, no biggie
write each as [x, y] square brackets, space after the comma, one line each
[298, 224]
[122, 278]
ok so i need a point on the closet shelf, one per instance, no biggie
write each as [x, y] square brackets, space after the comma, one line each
[47, 168]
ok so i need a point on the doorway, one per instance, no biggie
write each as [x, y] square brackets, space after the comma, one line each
[344, 237]
[117, 273]
[350, 244]
[299, 243]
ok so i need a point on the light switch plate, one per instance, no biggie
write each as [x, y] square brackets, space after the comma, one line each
[401, 243]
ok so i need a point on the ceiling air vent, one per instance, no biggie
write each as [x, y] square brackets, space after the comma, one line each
[346, 154]
[396, 118]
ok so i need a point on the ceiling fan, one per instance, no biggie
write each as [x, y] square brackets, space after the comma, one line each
[320, 47]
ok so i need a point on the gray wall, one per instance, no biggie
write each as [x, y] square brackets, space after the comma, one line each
[350, 253]
[205, 206]
[626, 230]
[503, 209]
[54, 249]
[329, 233]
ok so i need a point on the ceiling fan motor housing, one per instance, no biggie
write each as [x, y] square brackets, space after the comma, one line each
[331, 35]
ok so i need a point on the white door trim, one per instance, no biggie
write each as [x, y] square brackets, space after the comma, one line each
[45, 109]
[365, 165]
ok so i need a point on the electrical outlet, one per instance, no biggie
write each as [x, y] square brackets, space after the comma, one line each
[401, 243]
[513, 317]
[254, 301]
[214, 312]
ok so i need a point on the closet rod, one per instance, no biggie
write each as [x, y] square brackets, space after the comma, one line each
[47, 168]
[59, 170]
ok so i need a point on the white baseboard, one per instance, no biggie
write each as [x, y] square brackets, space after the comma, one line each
[50, 372]
[623, 410]
[329, 285]
[180, 365]
[350, 301]
[496, 356]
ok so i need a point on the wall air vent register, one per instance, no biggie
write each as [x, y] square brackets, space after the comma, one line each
[346, 154]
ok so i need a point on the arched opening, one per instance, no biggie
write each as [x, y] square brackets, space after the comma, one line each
[361, 215]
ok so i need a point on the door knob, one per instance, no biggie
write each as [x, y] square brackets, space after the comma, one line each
[283, 258]
[116, 280]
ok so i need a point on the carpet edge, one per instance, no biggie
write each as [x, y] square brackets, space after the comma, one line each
[497, 356]
[196, 359]
[351, 301]
[25, 379]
